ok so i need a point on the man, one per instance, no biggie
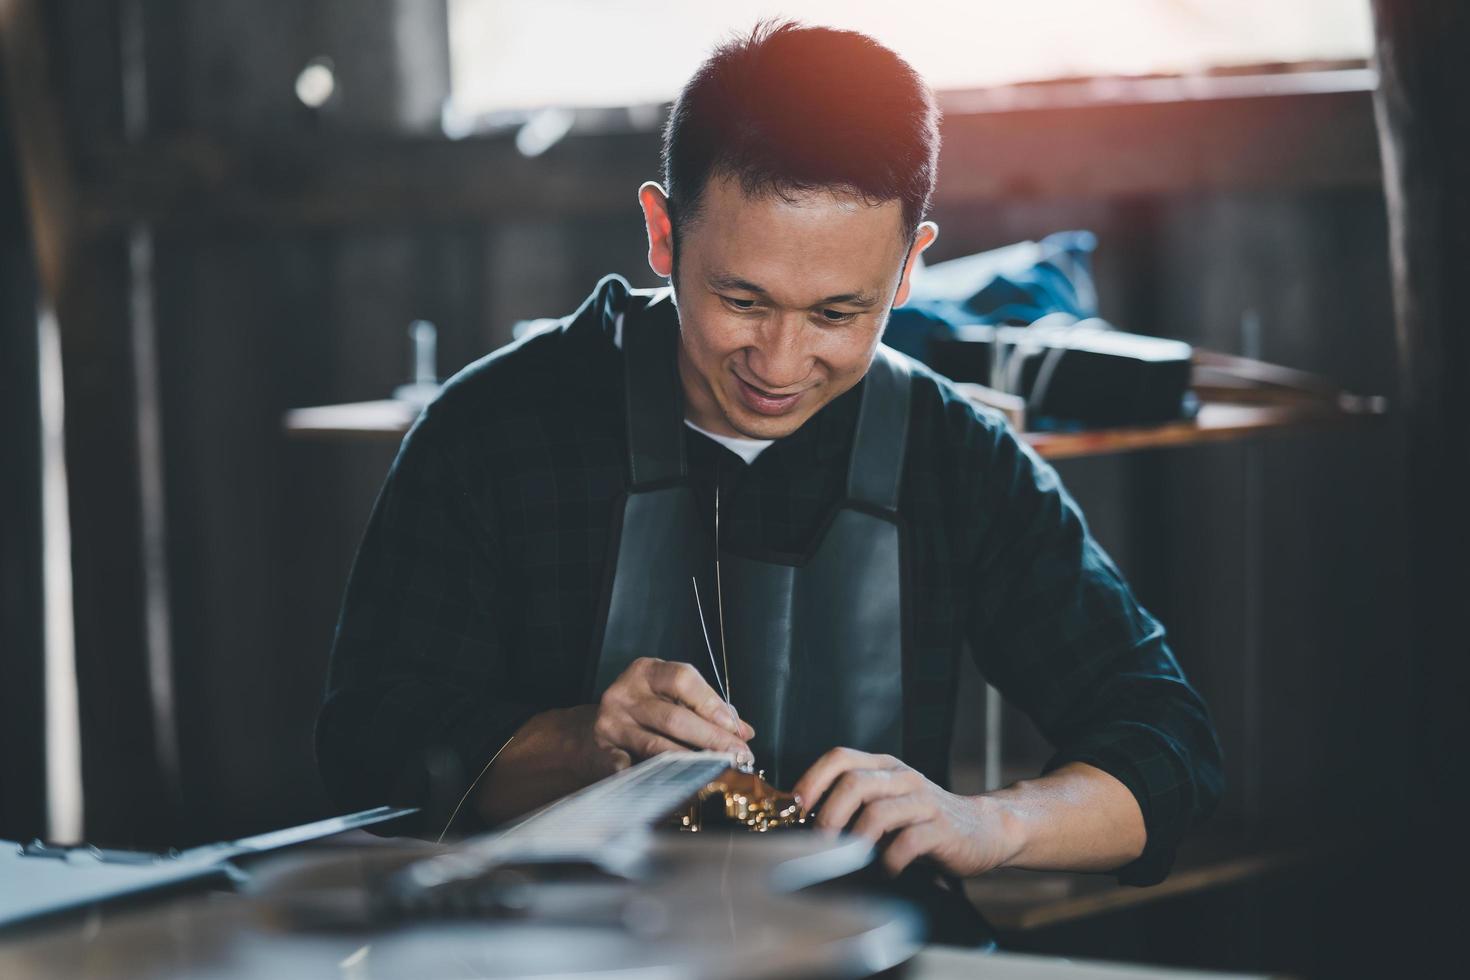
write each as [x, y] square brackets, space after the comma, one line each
[738, 458]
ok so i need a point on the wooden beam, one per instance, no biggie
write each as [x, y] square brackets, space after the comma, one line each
[197, 180]
[1286, 135]
[40, 141]
[22, 601]
[1426, 147]
[83, 275]
[1295, 140]
[1425, 133]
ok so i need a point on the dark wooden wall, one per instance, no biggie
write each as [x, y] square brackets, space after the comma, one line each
[252, 322]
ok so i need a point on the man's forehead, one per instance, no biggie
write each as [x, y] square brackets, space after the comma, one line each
[804, 249]
[728, 193]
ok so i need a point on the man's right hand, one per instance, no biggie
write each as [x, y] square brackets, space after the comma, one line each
[655, 706]
[660, 706]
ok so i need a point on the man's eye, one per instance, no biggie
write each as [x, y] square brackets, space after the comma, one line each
[837, 316]
[739, 304]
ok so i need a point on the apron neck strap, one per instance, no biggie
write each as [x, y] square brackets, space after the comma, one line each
[655, 403]
[875, 470]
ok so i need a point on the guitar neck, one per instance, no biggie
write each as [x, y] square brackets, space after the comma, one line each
[604, 824]
[610, 812]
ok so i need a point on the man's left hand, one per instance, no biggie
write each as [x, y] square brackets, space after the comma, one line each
[883, 800]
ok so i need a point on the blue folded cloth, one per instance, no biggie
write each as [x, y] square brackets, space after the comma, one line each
[1017, 284]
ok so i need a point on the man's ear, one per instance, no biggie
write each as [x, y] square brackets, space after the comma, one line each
[655, 204]
[923, 238]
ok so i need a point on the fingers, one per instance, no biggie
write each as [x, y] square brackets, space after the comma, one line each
[857, 788]
[910, 844]
[640, 743]
[880, 818]
[830, 767]
[674, 721]
[683, 683]
[618, 733]
[659, 706]
[623, 731]
[881, 798]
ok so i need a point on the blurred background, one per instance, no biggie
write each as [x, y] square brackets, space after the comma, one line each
[216, 212]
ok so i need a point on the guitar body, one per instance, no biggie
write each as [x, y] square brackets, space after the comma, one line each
[599, 883]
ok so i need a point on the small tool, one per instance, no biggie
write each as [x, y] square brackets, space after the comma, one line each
[723, 682]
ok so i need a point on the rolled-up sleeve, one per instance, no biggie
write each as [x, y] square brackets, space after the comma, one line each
[420, 690]
[1058, 632]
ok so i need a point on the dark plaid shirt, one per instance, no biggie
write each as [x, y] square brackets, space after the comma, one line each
[475, 594]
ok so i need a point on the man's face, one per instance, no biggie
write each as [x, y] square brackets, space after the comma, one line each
[782, 301]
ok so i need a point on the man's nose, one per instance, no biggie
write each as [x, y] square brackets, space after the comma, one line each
[778, 359]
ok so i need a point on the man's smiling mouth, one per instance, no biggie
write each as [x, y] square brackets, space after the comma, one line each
[763, 402]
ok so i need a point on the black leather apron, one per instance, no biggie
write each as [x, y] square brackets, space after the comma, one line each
[815, 643]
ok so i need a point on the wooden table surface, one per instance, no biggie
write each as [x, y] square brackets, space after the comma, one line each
[947, 963]
[1016, 901]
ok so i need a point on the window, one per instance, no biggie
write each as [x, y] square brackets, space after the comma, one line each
[585, 53]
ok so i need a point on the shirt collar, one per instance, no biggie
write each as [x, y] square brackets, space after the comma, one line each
[828, 434]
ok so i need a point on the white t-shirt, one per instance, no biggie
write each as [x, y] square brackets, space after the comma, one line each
[746, 449]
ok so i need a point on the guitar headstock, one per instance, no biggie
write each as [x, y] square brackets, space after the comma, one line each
[741, 799]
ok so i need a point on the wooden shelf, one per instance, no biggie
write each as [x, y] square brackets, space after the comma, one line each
[1216, 422]
[389, 420]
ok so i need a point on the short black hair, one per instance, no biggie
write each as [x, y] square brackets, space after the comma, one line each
[791, 108]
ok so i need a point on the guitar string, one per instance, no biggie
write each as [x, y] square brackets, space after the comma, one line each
[471, 789]
[720, 594]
